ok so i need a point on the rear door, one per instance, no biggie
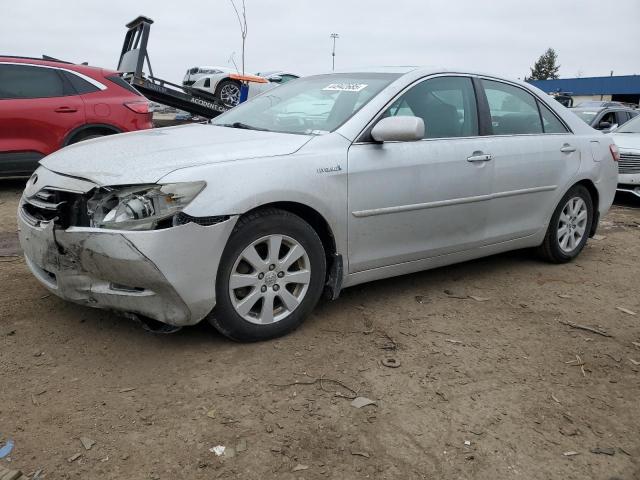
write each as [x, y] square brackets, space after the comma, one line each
[413, 200]
[38, 108]
[534, 154]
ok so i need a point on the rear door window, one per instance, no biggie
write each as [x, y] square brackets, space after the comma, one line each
[513, 110]
[25, 81]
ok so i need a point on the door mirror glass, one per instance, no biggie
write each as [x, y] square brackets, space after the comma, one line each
[398, 129]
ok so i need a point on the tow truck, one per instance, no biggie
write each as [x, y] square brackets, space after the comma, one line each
[131, 64]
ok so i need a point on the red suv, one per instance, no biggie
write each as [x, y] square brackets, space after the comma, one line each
[46, 105]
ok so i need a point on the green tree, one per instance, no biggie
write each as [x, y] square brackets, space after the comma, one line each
[545, 68]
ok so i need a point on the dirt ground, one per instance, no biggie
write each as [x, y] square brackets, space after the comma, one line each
[495, 387]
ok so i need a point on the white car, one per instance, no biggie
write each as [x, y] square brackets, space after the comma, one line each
[627, 138]
[323, 183]
[219, 81]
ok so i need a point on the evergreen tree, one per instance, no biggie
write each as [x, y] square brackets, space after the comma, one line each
[545, 68]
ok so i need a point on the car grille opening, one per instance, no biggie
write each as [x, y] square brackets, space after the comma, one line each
[64, 208]
[629, 163]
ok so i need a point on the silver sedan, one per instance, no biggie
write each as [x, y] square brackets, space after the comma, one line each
[326, 182]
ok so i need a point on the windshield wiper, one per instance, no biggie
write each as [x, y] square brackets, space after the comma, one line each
[244, 126]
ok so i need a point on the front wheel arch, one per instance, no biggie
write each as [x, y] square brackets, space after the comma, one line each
[226, 317]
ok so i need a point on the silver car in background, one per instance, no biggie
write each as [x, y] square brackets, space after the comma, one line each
[323, 183]
[627, 138]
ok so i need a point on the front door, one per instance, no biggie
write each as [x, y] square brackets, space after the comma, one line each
[413, 200]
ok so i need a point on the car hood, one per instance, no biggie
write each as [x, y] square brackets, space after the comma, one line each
[147, 156]
[627, 141]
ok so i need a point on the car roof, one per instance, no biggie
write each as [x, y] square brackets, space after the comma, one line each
[602, 109]
[429, 70]
[380, 69]
[86, 69]
[269, 73]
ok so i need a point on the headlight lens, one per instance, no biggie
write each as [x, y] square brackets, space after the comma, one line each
[140, 207]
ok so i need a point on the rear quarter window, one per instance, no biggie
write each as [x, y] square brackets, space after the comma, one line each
[80, 85]
[117, 79]
[550, 122]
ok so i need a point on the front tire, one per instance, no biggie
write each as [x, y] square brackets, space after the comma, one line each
[270, 277]
[569, 227]
[87, 137]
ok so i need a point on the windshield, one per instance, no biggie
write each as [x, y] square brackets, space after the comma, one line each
[632, 126]
[586, 115]
[310, 105]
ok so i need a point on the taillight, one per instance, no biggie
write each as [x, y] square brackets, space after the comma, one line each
[615, 153]
[139, 107]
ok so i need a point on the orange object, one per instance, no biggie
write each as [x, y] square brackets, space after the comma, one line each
[248, 78]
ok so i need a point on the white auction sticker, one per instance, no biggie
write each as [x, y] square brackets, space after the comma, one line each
[346, 87]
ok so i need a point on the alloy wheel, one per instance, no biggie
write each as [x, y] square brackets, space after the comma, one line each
[269, 279]
[230, 94]
[572, 224]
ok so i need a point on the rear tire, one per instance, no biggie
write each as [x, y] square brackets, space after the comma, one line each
[228, 92]
[271, 276]
[569, 227]
[91, 136]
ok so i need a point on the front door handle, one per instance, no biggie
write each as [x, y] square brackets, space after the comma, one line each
[479, 157]
[566, 148]
[65, 110]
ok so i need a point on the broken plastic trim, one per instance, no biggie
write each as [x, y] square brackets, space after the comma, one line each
[151, 325]
[183, 218]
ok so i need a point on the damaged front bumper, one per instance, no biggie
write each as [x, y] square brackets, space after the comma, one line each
[168, 275]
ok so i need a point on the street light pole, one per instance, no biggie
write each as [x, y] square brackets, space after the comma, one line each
[333, 53]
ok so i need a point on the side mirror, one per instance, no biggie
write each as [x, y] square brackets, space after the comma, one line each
[398, 129]
[604, 126]
[275, 79]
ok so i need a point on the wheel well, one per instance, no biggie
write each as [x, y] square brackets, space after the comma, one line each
[313, 218]
[593, 191]
[88, 130]
[595, 197]
[227, 79]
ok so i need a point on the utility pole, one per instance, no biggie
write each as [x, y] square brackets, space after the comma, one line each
[333, 53]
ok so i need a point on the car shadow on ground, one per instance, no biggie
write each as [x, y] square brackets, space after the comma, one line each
[624, 199]
[428, 283]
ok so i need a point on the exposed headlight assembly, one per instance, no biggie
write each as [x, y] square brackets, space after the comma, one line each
[140, 207]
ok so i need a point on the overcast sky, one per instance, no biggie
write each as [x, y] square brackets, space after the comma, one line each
[505, 37]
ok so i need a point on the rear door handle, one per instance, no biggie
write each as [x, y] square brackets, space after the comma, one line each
[65, 110]
[479, 157]
[566, 148]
